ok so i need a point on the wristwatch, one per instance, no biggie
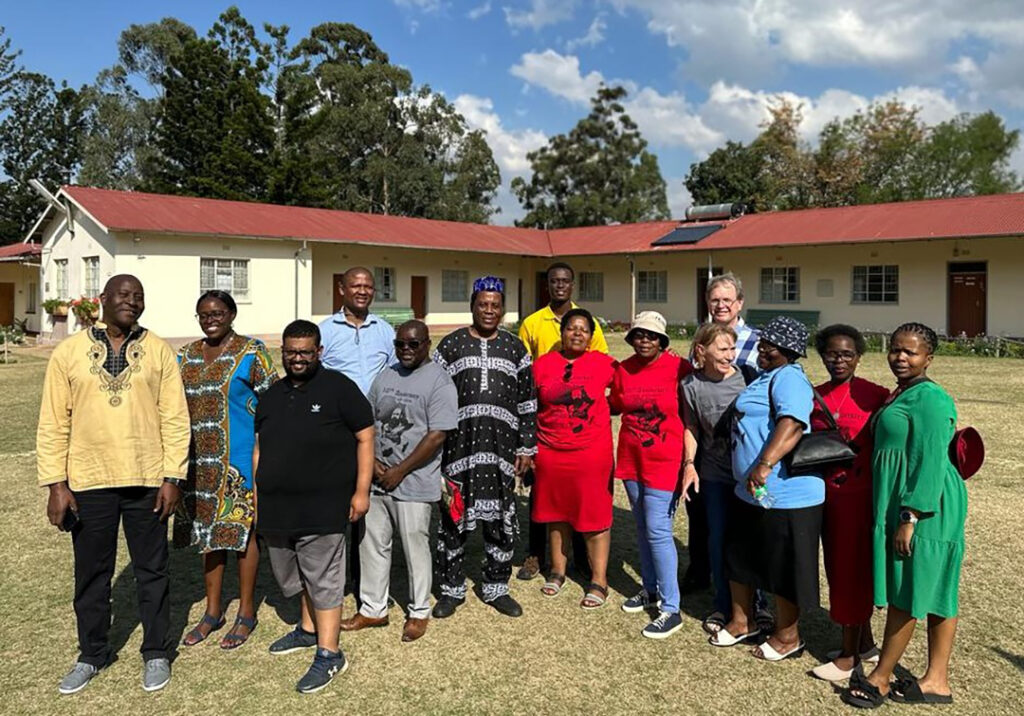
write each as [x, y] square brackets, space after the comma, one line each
[176, 481]
[908, 517]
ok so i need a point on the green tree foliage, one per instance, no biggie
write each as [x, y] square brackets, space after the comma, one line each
[147, 50]
[598, 173]
[884, 153]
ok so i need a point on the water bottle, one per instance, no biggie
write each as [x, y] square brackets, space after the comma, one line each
[764, 497]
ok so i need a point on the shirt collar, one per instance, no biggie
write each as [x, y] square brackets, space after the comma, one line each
[341, 319]
[99, 332]
[289, 386]
[550, 314]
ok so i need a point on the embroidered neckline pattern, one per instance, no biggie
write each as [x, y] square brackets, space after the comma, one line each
[114, 385]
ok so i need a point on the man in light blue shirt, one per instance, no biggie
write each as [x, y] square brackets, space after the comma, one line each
[357, 343]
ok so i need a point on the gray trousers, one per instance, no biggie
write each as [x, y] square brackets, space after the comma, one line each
[412, 522]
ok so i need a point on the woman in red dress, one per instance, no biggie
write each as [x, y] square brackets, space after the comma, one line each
[573, 466]
[650, 453]
[848, 517]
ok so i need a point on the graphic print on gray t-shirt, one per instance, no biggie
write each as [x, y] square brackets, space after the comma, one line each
[709, 400]
[406, 406]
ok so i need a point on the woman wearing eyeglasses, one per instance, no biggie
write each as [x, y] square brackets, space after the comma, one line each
[224, 374]
[650, 452]
[573, 467]
[848, 518]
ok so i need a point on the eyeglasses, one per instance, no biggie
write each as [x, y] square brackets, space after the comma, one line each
[723, 301]
[306, 355]
[640, 334]
[836, 356]
[568, 372]
[766, 348]
[413, 344]
[212, 316]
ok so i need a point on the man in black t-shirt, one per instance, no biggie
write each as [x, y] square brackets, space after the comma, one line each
[313, 464]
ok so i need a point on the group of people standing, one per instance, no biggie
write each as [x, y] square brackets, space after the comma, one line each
[367, 432]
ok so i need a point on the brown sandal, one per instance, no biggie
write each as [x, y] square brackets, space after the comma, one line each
[553, 587]
[595, 597]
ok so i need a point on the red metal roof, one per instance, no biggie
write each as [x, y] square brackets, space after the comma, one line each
[996, 215]
[17, 251]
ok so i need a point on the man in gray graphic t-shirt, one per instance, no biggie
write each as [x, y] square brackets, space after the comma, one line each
[414, 404]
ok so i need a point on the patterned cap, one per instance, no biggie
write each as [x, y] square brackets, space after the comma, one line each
[489, 283]
[786, 332]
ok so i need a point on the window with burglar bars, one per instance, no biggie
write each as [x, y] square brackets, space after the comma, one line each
[231, 275]
[91, 276]
[780, 284]
[454, 285]
[652, 286]
[384, 283]
[591, 286]
[61, 281]
[876, 284]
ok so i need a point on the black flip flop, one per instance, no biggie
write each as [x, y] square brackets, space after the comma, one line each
[908, 691]
[872, 697]
[713, 623]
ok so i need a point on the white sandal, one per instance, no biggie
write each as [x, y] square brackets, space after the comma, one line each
[830, 672]
[768, 652]
[722, 637]
[870, 656]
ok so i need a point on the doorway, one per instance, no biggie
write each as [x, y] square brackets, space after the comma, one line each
[543, 295]
[968, 303]
[418, 297]
[6, 304]
[702, 287]
[336, 287]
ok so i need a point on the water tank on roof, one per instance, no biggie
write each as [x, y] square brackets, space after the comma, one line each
[714, 211]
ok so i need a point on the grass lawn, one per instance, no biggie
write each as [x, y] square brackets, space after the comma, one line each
[555, 659]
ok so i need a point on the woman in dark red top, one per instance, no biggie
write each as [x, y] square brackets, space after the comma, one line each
[848, 518]
[646, 393]
[573, 466]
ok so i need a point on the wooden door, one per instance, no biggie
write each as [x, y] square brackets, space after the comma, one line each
[543, 295]
[967, 299]
[418, 299]
[336, 287]
[6, 304]
[702, 287]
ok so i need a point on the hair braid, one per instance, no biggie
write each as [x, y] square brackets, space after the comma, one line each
[920, 330]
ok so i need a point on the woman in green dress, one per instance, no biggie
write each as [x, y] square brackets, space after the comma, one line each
[920, 509]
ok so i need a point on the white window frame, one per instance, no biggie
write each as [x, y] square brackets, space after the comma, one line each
[385, 284]
[90, 276]
[780, 284]
[61, 289]
[879, 295]
[652, 286]
[32, 298]
[450, 293]
[591, 286]
[239, 286]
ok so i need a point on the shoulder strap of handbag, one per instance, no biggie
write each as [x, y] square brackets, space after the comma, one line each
[829, 418]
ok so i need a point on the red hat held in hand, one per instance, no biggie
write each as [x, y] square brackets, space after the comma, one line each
[967, 451]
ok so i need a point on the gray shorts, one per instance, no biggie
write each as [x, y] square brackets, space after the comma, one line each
[315, 563]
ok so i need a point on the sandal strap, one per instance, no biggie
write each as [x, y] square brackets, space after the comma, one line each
[594, 587]
[249, 622]
[215, 622]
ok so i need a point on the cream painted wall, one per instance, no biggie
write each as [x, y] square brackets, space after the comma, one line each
[330, 259]
[25, 278]
[89, 239]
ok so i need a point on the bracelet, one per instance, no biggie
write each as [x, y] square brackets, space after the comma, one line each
[687, 462]
[765, 463]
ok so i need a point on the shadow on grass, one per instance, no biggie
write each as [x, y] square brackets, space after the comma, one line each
[1016, 660]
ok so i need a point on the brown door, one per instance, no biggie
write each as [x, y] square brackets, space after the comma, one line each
[967, 301]
[6, 304]
[336, 287]
[702, 287]
[543, 296]
[419, 297]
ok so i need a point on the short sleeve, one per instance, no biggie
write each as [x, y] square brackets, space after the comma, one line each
[597, 341]
[354, 408]
[792, 396]
[443, 408]
[687, 403]
[525, 337]
[263, 373]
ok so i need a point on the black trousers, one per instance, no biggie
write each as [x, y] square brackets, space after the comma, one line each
[538, 544]
[95, 544]
[699, 570]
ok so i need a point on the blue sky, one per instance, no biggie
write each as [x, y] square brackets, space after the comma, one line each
[699, 71]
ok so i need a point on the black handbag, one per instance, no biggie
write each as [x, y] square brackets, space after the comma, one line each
[819, 450]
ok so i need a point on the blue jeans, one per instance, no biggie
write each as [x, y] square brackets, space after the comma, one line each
[654, 511]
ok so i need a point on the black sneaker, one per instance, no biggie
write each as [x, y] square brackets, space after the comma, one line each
[326, 665]
[506, 605]
[446, 606]
[665, 625]
[641, 601]
[294, 640]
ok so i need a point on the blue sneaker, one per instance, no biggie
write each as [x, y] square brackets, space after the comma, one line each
[297, 638]
[640, 601]
[665, 625]
[326, 665]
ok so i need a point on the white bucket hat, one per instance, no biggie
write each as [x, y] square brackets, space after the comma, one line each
[649, 321]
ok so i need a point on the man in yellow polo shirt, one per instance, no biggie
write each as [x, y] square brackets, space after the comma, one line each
[541, 332]
[112, 447]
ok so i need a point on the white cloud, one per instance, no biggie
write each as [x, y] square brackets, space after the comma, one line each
[593, 37]
[678, 197]
[541, 13]
[424, 5]
[509, 146]
[558, 74]
[479, 11]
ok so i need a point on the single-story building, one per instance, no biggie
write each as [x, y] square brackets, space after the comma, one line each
[955, 264]
[19, 285]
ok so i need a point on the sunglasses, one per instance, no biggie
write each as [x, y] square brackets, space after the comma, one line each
[568, 372]
[642, 335]
[412, 345]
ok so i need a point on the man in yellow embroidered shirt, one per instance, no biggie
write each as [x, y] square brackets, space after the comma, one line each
[541, 332]
[112, 446]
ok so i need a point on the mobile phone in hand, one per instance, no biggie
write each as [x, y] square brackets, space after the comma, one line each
[70, 520]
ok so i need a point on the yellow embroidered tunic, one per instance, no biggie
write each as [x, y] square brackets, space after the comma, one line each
[97, 429]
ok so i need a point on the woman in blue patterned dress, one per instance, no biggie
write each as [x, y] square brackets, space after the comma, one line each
[224, 375]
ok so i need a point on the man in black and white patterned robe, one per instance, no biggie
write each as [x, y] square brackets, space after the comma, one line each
[495, 442]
